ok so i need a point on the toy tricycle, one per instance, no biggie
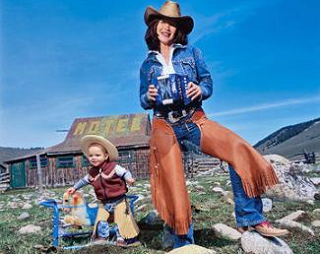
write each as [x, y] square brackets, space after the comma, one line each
[80, 214]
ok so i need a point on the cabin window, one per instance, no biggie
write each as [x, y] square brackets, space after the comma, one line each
[65, 161]
[33, 162]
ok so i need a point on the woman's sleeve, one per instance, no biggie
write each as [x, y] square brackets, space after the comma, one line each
[204, 76]
[144, 101]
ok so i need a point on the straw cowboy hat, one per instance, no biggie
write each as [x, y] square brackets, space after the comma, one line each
[169, 11]
[88, 140]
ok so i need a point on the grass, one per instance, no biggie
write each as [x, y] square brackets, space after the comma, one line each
[209, 208]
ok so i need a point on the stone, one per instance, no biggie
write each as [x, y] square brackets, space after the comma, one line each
[191, 249]
[266, 204]
[29, 229]
[200, 188]
[295, 225]
[13, 205]
[293, 184]
[294, 216]
[26, 206]
[316, 223]
[253, 242]
[141, 207]
[218, 190]
[315, 180]
[151, 221]
[226, 231]
[167, 238]
[24, 216]
[316, 211]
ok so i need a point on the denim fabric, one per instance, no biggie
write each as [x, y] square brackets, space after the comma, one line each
[182, 240]
[186, 60]
[248, 210]
[103, 229]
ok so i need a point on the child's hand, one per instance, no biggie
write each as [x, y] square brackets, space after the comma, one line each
[130, 181]
[71, 190]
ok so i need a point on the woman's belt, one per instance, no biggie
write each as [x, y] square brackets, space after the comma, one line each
[175, 115]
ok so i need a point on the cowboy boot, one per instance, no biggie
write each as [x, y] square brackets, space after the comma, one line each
[266, 229]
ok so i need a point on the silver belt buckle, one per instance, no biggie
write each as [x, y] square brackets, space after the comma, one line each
[171, 118]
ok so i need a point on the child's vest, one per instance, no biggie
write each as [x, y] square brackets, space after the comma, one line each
[107, 184]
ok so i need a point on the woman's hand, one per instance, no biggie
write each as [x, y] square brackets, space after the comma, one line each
[152, 93]
[193, 91]
[130, 181]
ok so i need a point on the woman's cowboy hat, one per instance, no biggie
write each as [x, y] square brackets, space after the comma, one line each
[169, 11]
[88, 140]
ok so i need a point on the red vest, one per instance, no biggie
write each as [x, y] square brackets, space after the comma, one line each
[107, 184]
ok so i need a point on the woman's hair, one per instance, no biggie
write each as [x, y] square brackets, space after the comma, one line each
[152, 40]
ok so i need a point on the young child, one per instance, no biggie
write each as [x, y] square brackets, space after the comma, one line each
[109, 182]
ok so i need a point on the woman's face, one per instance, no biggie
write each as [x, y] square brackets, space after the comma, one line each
[165, 32]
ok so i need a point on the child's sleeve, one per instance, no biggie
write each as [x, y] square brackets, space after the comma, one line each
[122, 172]
[82, 182]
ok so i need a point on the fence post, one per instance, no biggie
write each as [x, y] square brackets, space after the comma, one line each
[39, 172]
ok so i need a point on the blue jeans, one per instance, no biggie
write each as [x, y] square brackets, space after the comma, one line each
[248, 210]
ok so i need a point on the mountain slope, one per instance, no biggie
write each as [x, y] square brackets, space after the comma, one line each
[7, 153]
[292, 140]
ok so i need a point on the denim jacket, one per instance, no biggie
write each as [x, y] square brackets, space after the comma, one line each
[186, 60]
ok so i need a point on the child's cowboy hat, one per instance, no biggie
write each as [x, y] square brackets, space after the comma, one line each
[88, 140]
[169, 11]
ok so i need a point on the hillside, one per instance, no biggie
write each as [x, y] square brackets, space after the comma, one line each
[291, 141]
[7, 153]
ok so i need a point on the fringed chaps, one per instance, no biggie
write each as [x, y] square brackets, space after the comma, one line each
[168, 187]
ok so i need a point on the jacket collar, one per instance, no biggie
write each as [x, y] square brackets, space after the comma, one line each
[174, 46]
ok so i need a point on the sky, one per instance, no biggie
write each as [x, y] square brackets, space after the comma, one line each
[66, 59]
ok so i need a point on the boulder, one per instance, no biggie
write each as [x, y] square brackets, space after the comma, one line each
[267, 204]
[295, 225]
[29, 229]
[293, 184]
[24, 216]
[316, 223]
[226, 231]
[26, 206]
[191, 249]
[253, 242]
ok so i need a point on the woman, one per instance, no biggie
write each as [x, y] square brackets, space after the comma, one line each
[176, 123]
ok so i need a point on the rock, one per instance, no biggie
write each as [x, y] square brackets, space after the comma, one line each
[26, 206]
[294, 216]
[141, 207]
[167, 238]
[226, 231]
[219, 190]
[253, 242]
[13, 205]
[191, 249]
[293, 184]
[267, 204]
[29, 229]
[275, 158]
[152, 221]
[200, 188]
[316, 211]
[310, 202]
[295, 225]
[24, 216]
[316, 223]
[315, 180]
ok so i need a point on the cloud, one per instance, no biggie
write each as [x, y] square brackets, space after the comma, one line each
[267, 106]
[227, 19]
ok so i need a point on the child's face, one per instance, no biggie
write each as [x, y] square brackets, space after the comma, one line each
[97, 155]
